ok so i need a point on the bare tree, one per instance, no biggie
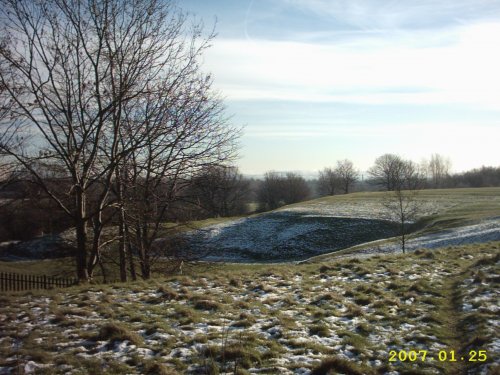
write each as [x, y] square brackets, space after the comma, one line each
[185, 131]
[221, 191]
[83, 69]
[347, 174]
[270, 191]
[279, 189]
[401, 203]
[295, 188]
[328, 182]
[8, 167]
[387, 171]
[438, 169]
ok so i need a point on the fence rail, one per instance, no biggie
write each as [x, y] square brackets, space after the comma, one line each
[14, 282]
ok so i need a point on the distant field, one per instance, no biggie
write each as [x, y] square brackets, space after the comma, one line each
[324, 225]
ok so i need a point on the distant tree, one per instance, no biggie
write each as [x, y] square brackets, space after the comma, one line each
[296, 188]
[478, 177]
[221, 191]
[401, 202]
[387, 171]
[328, 182]
[438, 170]
[278, 189]
[269, 193]
[347, 174]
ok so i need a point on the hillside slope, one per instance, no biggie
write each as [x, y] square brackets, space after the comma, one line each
[344, 315]
[325, 225]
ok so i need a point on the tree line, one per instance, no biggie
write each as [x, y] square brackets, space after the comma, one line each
[104, 105]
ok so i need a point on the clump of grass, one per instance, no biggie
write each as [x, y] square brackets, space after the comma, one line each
[320, 330]
[335, 365]
[349, 293]
[325, 298]
[117, 332]
[479, 277]
[393, 286]
[155, 368]
[185, 314]
[430, 319]
[324, 269]
[364, 329]
[242, 355]
[235, 282]
[242, 305]
[363, 300]
[167, 293]
[245, 320]
[488, 261]
[263, 287]
[353, 311]
[206, 304]
[356, 340]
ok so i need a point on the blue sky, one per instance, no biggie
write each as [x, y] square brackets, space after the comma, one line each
[315, 81]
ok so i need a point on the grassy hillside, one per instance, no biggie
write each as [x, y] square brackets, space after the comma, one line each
[337, 314]
[303, 230]
[457, 205]
[343, 316]
[314, 227]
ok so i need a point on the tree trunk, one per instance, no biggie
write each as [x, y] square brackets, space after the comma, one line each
[129, 252]
[95, 255]
[122, 247]
[81, 237]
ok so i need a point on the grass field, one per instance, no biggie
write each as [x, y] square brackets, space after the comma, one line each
[337, 313]
[345, 315]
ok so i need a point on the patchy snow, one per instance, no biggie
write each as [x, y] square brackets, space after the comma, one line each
[284, 236]
[298, 232]
[485, 231]
[274, 318]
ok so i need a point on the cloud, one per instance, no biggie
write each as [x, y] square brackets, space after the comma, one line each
[393, 14]
[459, 67]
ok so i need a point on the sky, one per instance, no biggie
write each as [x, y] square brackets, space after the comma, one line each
[316, 81]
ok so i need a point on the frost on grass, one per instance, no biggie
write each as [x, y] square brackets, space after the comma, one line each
[480, 305]
[313, 228]
[286, 236]
[485, 231]
[295, 319]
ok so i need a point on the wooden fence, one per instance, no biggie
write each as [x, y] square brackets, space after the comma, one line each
[18, 282]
